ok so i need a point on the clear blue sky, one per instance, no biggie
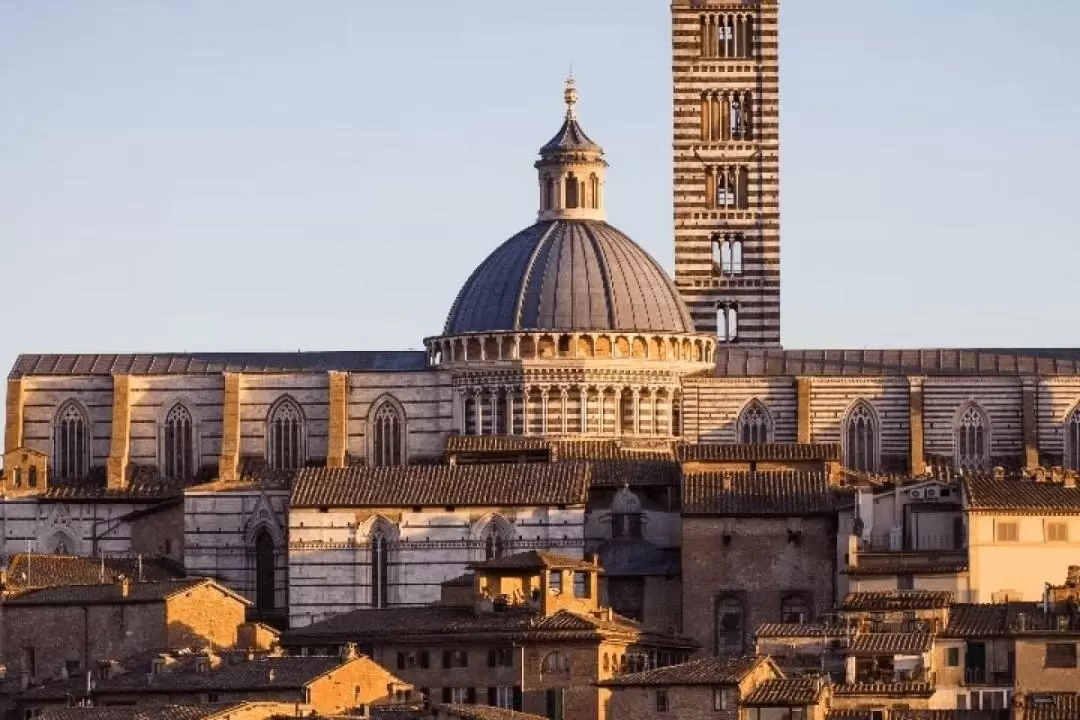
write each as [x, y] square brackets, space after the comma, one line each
[269, 175]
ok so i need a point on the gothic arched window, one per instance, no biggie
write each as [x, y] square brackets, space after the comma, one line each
[1072, 440]
[730, 623]
[387, 436]
[177, 444]
[860, 438]
[380, 565]
[265, 571]
[71, 442]
[493, 543]
[972, 439]
[286, 435]
[555, 662]
[754, 426]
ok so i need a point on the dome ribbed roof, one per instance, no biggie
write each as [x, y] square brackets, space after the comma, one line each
[569, 275]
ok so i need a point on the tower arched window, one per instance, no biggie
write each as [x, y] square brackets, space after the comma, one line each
[177, 444]
[676, 415]
[972, 438]
[1072, 440]
[860, 438]
[388, 436]
[286, 435]
[71, 442]
[549, 193]
[728, 253]
[380, 567]
[594, 191]
[755, 424]
[573, 191]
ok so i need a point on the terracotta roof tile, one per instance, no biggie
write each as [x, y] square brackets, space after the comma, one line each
[651, 450]
[439, 485]
[987, 493]
[849, 714]
[923, 714]
[42, 570]
[976, 620]
[485, 712]
[909, 567]
[738, 452]
[757, 493]
[1051, 706]
[786, 691]
[533, 560]
[708, 671]
[799, 630]
[900, 643]
[886, 600]
[144, 592]
[888, 689]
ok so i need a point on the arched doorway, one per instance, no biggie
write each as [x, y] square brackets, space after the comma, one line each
[264, 572]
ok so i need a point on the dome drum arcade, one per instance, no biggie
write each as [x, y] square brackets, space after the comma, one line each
[569, 327]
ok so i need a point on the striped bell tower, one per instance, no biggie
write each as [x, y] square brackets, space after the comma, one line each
[725, 63]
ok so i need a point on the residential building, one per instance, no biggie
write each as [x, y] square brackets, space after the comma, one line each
[525, 631]
[62, 631]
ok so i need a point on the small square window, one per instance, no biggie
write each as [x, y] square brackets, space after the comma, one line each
[661, 701]
[1008, 532]
[1057, 532]
[952, 657]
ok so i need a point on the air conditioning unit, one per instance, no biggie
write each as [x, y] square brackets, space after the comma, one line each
[930, 493]
[916, 493]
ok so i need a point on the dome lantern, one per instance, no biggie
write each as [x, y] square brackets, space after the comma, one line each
[571, 170]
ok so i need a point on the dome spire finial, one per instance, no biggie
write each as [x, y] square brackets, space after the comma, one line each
[570, 95]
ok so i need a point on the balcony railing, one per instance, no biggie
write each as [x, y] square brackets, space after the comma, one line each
[983, 676]
[903, 543]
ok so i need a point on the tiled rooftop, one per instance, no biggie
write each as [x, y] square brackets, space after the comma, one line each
[443, 485]
[707, 671]
[786, 692]
[798, 630]
[484, 712]
[494, 443]
[1015, 618]
[218, 362]
[738, 452]
[142, 712]
[42, 570]
[908, 568]
[912, 714]
[757, 493]
[741, 362]
[1021, 495]
[900, 643]
[886, 600]
[1051, 706]
[261, 674]
[108, 594]
[886, 689]
[532, 560]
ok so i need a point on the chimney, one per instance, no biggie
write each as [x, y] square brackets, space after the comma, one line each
[1069, 480]
[348, 652]
[1072, 578]
[125, 586]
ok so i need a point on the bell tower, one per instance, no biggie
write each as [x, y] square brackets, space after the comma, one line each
[725, 61]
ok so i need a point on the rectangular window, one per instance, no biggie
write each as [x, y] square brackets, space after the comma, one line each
[460, 695]
[501, 657]
[1008, 532]
[504, 697]
[797, 714]
[581, 585]
[722, 699]
[1057, 532]
[661, 701]
[952, 656]
[425, 659]
[1061, 655]
[961, 702]
[555, 580]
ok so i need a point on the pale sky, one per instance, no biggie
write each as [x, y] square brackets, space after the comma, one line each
[271, 175]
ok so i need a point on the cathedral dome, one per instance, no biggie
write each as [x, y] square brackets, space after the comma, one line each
[571, 270]
[569, 275]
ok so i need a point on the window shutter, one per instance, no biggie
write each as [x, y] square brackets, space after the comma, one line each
[470, 695]
[447, 695]
[493, 696]
[491, 657]
[401, 661]
[425, 659]
[464, 658]
[517, 698]
[447, 659]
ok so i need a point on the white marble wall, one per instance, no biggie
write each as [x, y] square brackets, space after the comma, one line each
[29, 524]
[330, 555]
